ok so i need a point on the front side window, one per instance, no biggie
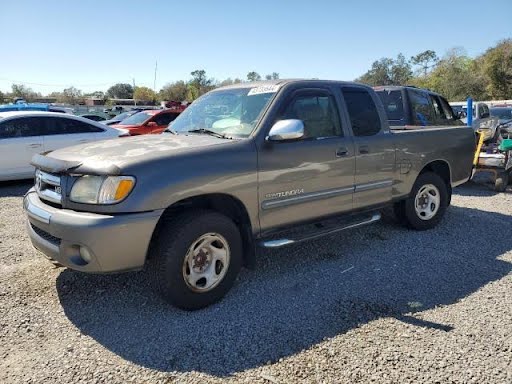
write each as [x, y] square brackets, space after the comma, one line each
[318, 112]
[422, 111]
[21, 127]
[165, 118]
[234, 111]
[363, 114]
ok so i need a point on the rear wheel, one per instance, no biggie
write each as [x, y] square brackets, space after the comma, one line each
[196, 258]
[426, 204]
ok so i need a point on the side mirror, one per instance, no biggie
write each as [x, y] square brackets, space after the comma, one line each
[283, 130]
[151, 124]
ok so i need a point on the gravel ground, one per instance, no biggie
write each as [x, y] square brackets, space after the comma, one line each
[377, 304]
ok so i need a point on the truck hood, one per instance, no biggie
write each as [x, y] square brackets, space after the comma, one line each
[112, 156]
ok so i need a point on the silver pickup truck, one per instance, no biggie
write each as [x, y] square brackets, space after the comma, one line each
[251, 165]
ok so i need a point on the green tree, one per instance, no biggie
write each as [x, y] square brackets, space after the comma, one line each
[199, 85]
[96, 94]
[120, 91]
[425, 60]
[401, 71]
[456, 76]
[20, 90]
[71, 95]
[144, 94]
[57, 96]
[496, 66]
[387, 71]
[253, 76]
[2, 96]
[176, 91]
[228, 81]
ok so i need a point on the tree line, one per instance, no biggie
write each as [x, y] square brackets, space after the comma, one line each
[180, 90]
[455, 75]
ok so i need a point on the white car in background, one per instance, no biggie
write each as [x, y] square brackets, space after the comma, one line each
[482, 119]
[24, 134]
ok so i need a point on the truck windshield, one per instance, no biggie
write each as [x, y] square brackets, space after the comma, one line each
[136, 119]
[394, 106]
[502, 113]
[230, 112]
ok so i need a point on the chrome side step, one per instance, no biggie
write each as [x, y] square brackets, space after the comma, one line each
[277, 243]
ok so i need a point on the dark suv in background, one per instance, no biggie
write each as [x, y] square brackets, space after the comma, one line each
[411, 106]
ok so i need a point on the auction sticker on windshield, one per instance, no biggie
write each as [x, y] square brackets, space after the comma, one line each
[272, 88]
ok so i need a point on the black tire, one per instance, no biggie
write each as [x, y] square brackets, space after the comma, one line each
[405, 210]
[501, 182]
[169, 248]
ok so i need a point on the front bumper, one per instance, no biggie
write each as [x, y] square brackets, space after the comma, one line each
[114, 243]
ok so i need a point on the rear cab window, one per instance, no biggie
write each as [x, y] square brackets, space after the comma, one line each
[362, 111]
[393, 105]
[421, 108]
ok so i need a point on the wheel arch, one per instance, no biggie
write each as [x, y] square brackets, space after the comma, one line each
[441, 168]
[225, 204]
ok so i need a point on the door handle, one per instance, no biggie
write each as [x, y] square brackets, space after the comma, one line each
[341, 152]
[363, 150]
[34, 145]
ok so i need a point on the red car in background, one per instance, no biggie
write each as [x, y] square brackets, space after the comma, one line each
[149, 121]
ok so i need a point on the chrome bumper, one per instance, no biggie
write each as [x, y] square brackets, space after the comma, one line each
[113, 243]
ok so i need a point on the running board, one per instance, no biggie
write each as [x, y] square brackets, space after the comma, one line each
[277, 243]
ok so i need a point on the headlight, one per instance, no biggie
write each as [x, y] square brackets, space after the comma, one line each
[101, 189]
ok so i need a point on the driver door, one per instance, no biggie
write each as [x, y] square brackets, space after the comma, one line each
[312, 177]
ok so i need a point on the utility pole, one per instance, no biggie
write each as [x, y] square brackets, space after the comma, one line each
[134, 99]
[154, 81]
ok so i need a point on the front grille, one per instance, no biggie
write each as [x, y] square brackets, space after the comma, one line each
[48, 187]
[45, 235]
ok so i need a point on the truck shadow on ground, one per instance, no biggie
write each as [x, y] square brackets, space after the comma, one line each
[15, 188]
[297, 296]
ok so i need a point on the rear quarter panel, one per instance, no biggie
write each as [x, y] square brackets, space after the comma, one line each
[415, 149]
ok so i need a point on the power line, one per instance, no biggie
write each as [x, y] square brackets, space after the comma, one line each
[55, 85]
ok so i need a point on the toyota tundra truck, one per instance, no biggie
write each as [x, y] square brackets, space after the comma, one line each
[248, 166]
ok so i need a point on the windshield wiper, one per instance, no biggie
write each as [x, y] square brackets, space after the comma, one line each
[170, 130]
[210, 132]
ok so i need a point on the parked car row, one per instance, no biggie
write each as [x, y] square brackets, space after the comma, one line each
[24, 134]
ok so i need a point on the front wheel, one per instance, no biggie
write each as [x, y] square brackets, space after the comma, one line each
[196, 258]
[426, 204]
